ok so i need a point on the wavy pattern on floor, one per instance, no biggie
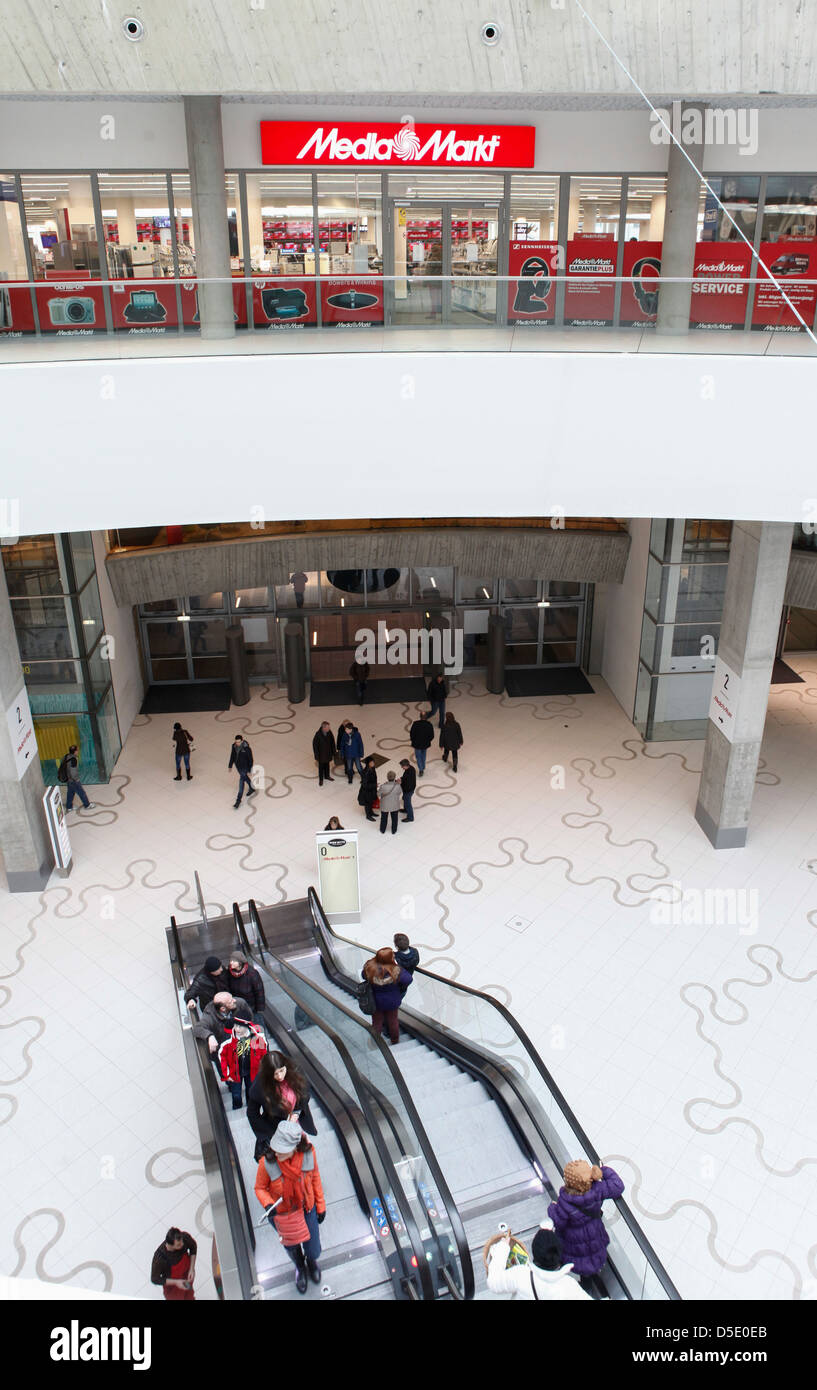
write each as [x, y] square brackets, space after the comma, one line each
[39, 1262]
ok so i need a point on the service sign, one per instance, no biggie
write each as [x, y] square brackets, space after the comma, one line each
[720, 286]
[381, 143]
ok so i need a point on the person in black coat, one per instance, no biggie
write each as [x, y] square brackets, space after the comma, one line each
[451, 740]
[279, 1092]
[182, 739]
[241, 759]
[324, 749]
[207, 983]
[436, 692]
[421, 737]
[359, 671]
[408, 784]
[367, 795]
[244, 981]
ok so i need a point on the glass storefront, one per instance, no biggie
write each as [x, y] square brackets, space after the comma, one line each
[54, 597]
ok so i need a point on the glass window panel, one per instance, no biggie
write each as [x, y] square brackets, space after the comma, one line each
[698, 640]
[658, 537]
[564, 588]
[702, 536]
[165, 639]
[43, 629]
[522, 624]
[649, 634]
[342, 588]
[475, 588]
[234, 224]
[183, 217]
[82, 554]
[99, 668]
[559, 653]
[61, 230]
[210, 668]
[594, 207]
[16, 311]
[560, 624]
[169, 668]
[262, 661]
[644, 683]
[251, 598]
[350, 222]
[520, 654]
[534, 207]
[207, 638]
[32, 566]
[433, 585]
[646, 208]
[110, 741]
[162, 605]
[206, 603]
[790, 210]
[700, 592]
[136, 218]
[652, 595]
[279, 213]
[64, 675]
[520, 588]
[302, 590]
[739, 197]
[388, 586]
[91, 614]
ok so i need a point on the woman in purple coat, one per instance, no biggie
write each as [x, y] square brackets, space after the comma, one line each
[389, 982]
[576, 1215]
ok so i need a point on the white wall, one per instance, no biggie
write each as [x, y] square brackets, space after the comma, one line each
[625, 610]
[87, 445]
[126, 671]
[78, 135]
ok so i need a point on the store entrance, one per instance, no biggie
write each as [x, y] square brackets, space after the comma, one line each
[444, 262]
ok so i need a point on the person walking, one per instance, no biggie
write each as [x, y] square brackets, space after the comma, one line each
[405, 954]
[451, 739]
[389, 982]
[288, 1184]
[239, 1058]
[359, 672]
[576, 1215]
[545, 1278]
[279, 1092]
[244, 982]
[206, 984]
[241, 759]
[421, 737]
[367, 795]
[350, 747]
[68, 774]
[182, 739]
[299, 582]
[389, 794]
[436, 692]
[174, 1266]
[324, 749]
[408, 783]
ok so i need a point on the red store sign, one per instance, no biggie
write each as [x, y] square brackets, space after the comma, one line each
[353, 143]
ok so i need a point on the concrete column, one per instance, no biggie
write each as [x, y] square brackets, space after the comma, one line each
[658, 209]
[755, 582]
[681, 223]
[205, 158]
[26, 846]
[126, 220]
[495, 666]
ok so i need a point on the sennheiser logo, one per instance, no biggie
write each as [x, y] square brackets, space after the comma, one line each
[75, 1343]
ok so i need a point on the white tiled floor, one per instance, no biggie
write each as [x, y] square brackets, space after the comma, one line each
[687, 1051]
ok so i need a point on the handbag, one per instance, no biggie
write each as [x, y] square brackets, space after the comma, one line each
[291, 1227]
[376, 804]
[365, 998]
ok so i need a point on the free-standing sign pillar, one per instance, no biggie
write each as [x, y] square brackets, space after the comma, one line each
[495, 669]
[339, 874]
[237, 661]
[296, 662]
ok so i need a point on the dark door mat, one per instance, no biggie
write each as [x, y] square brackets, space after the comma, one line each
[783, 674]
[186, 699]
[562, 680]
[411, 689]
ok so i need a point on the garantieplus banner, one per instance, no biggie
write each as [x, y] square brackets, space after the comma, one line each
[591, 289]
[720, 286]
[532, 295]
[790, 262]
[356, 143]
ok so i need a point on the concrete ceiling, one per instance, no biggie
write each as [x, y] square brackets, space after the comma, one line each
[371, 47]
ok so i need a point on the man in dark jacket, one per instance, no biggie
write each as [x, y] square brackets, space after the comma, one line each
[182, 739]
[359, 671]
[245, 983]
[218, 1018]
[241, 759]
[436, 692]
[174, 1265]
[350, 747]
[367, 795]
[408, 782]
[324, 749]
[206, 985]
[421, 736]
[75, 788]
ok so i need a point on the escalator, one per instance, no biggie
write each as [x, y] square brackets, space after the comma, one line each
[494, 1131]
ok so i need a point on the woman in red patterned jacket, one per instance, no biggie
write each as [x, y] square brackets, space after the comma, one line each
[239, 1057]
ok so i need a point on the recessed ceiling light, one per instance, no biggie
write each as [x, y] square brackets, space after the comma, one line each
[133, 29]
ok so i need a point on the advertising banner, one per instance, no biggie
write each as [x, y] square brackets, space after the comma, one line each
[16, 310]
[140, 308]
[590, 293]
[353, 303]
[384, 143]
[532, 294]
[21, 732]
[639, 300]
[190, 303]
[339, 874]
[283, 301]
[57, 828]
[75, 307]
[719, 287]
[789, 262]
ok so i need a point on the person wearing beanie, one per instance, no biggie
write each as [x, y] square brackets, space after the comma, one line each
[245, 983]
[182, 739]
[211, 978]
[288, 1181]
[576, 1215]
[545, 1278]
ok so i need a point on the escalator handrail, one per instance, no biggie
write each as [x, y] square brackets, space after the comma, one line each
[241, 930]
[457, 1228]
[177, 946]
[200, 895]
[321, 920]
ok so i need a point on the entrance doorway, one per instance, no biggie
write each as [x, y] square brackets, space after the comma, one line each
[444, 261]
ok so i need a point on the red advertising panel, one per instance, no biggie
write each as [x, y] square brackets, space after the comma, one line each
[719, 286]
[639, 300]
[16, 310]
[532, 294]
[591, 291]
[71, 306]
[282, 301]
[190, 303]
[355, 303]
[143, 307]
[790, 262]
[357, 143]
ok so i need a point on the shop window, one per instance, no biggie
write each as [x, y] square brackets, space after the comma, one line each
[65, 253]
[646, 209]
[343, 588]
[592, 233]
[138, 251]
[251, 598]
[350, 228]
[475, 588]
[564, 588]
[281, 234]
[515, 589]
[207, 603]
[32, 567]
[301, 590]
[16, 311]
[433, 586]
[723, 261]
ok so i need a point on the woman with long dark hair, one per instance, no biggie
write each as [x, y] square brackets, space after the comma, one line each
[450, 739]
[279, 1092]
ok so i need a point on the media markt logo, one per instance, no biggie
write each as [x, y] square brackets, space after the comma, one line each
[405, 144]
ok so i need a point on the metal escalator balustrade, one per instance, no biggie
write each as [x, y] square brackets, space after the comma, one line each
[465, 1020]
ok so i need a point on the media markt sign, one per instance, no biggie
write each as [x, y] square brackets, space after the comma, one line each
[375, 142]
[724, 702]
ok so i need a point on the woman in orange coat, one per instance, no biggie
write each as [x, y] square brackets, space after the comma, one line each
[288, 1180]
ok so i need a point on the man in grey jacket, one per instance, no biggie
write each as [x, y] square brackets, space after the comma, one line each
[389, 794]
[75, 787]
[218, 1018]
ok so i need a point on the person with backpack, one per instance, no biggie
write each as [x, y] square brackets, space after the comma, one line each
[288, 1185]
[367, 795]
[239, 1058]
[451, 739]
[350, 747]
[421, 737]
[68, 774]
[241, 759]
[183, 740]
[389, 982]
[576, 1215]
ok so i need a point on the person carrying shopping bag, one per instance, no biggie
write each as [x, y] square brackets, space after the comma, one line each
[288, 1185]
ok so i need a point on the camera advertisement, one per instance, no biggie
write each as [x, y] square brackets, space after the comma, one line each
[72, 306]
[790, 262]
[720, 285]
[350, 302]
[590, 294]
[532, 293]
[284, 302]
[639, 296]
